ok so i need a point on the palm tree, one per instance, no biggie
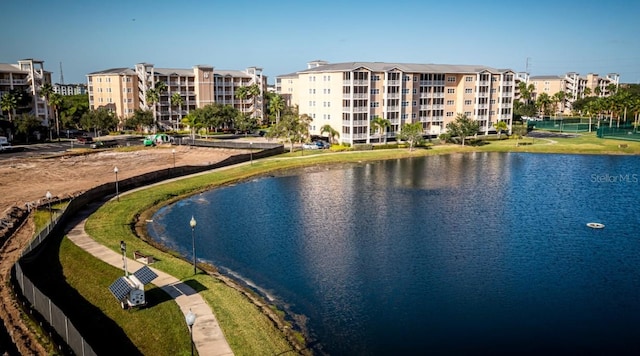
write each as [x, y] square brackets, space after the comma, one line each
[177, 101]
[380, 125]
[55, 101]
[242, 93]
[254, 91]
[558, 98]
[526, 91]
[331, 131]
[276, 105]
[500, 126]
[586, 92]
[8, 104]
[543, 102]
[45, 91]
[153, 97]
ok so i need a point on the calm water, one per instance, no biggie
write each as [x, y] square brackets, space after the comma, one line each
[482, 253]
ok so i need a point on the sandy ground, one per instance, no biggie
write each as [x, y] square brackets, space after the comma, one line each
[24, 180]
[27, 180]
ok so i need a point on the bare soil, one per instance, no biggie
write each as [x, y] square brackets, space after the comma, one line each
[25, 181]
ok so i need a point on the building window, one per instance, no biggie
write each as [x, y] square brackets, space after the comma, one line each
[492, 102]
[449, 102]
[468, 91]
[404, 116]
[493, 90]
[375, 91]
[467, 102]
[468, 79]
[375, 78]
[449, 113]
[451, 79]
[413, 115]
[405, 103]
[451, 90]
[375, 104]
[406, 78]
[467, 113]
[415, 103]
[405, 91]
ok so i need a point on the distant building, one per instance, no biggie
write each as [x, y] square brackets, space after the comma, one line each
[575, 86]
[348, 96]
[28, 75]
[70, 89]
[123, 90]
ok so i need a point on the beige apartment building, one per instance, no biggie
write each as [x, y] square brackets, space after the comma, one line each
[123, 90]
[575, 86]
[347, 96]
[28, 75]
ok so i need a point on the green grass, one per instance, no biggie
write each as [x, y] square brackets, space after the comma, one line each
[246, 328]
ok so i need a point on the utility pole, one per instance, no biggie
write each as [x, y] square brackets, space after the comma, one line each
[61, 75]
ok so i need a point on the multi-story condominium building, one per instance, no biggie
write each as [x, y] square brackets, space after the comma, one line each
[572, 84]
[123, 90]
[28, 76]
[348, 96]
[70, 89]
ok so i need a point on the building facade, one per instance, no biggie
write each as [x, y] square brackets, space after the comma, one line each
[27, 76]
[123, 90]
[348, 96]
[573, 85]
[70, 89]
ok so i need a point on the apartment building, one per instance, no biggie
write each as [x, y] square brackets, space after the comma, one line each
[347, 96]
[28, 76]
[573, 84]
[123, 90]
[70, 89]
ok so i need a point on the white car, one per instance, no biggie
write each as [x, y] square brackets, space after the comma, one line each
[309, 146]
[5, 146]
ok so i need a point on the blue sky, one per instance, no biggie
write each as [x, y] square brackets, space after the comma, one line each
[282, 36]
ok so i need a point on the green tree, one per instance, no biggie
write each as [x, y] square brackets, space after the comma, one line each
[8, 104]
[276, 105]
[176, 102]
[139, 120]
[26, 124]
[72, 109]
[193, 120]
[101, 119]
[378, 124]
[153, 97]
[526, 92]
[291, 128]
[330, 131]
[46, 90]
[412, 133]
[558, 101]
[544, 103]
[254, 91]
[463, 127]
[501, 126]
[245, 123]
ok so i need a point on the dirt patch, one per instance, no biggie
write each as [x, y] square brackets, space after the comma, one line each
[25, 181]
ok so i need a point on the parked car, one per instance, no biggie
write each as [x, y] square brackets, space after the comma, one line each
[5, 146]
[309, 146]
[322, 144]
[85, 139]
[104, 144]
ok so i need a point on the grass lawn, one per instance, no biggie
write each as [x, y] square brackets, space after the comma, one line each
[85, 280]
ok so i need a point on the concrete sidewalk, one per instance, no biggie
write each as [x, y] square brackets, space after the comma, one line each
[207, 335]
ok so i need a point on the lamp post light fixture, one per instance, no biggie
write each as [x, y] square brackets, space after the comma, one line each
[251, 151]
[123, 248]
[174, 157]
[115, 170]
[190, 318]
[192, 223]
[49, 196]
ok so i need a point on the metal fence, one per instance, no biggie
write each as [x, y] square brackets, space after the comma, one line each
[40, 302]
[563, 125]
[627, 132]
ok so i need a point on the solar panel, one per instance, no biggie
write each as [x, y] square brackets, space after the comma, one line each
[120, 288]
[145, 275]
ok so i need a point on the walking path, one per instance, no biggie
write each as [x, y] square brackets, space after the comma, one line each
[207, 335]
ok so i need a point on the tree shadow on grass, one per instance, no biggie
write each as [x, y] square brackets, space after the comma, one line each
[104, 335]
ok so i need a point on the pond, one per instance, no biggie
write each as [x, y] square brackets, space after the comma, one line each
[465, 253]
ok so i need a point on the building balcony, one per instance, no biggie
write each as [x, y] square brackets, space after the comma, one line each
[360, 82]
[483, 94]
[393, 108]
[393, 82]
[432, 83]
[438, 95]
[393, 95]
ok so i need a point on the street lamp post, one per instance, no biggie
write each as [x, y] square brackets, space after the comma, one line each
[123, 248]
[48, 196]
[190, 318]
[174, 157]
[192, 223]
[115, 170]
[251, 151]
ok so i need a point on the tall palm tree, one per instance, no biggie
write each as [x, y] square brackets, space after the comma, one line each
[8, 104]
[55, 101]
[380, 125]
[242, 93]
[177, 101]
[543, 102]
[46, 90]
[558, 100]
[526, 91]
[276, 105]
[153, 97]
[333, 133]
[254, 91]
[500, 126]
[586, 92]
